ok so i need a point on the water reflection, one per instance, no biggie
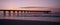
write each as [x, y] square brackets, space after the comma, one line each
[31, 15]
[27, 14]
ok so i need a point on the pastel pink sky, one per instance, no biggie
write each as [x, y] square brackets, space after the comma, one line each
[28, 3]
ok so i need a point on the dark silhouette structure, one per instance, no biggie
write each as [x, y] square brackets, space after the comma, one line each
[24, 11]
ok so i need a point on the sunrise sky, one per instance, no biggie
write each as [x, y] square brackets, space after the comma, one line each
[29, 3]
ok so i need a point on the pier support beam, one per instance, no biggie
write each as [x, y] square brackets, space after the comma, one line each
[17, 13]
[13, 13]
[4, 13]
[9, 13]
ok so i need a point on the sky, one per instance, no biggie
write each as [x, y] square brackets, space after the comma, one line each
[16, 4]
[29, 3]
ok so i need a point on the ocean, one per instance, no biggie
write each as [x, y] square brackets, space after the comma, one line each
[30, 15]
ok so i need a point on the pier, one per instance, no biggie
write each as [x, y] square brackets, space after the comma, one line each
[23, 11]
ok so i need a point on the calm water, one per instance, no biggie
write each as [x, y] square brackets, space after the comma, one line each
[28, 22]
[31, 15]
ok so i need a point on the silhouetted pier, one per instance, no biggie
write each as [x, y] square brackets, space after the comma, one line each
[23, 11]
